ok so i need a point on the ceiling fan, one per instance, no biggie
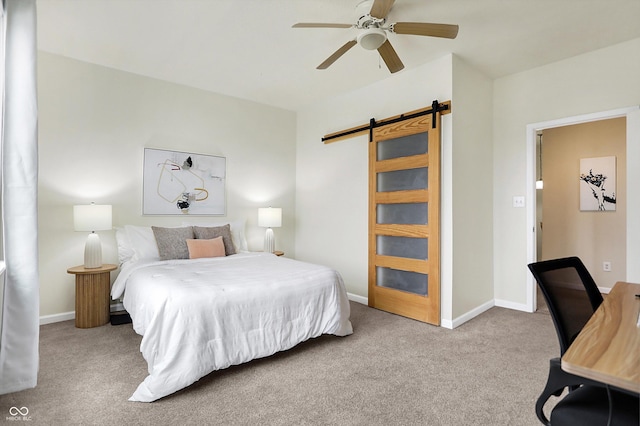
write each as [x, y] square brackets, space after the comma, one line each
[371, 19]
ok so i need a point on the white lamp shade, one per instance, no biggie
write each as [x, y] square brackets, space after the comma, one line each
[92, 217]
[270, 217]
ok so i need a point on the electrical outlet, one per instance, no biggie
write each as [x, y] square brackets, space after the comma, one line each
[606, 266]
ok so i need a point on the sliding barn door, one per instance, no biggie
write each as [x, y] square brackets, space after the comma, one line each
[404, 219]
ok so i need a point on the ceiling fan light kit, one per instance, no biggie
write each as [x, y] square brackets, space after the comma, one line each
[372, 38]
[371, 16]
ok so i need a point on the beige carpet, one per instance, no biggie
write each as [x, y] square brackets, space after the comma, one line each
[391, 371]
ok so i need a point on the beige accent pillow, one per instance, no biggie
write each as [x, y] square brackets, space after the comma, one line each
[207, 233]
[205, 248]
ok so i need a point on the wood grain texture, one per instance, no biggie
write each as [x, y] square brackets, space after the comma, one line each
[608, 347]
[364, 129]
[421, 307]
[402, 163]
[92, 295]
[400, 197]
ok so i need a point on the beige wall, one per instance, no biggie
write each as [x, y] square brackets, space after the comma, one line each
[94, 123]
[595, 237]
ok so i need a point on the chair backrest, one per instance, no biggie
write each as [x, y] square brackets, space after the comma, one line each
[571, 295]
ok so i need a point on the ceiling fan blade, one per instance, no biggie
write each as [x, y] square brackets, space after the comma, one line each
[320, 25]
[337, 54]
[390, 57]
[425, 29]
[381, 8]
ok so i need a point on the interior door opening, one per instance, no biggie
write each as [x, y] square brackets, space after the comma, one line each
[535, 173]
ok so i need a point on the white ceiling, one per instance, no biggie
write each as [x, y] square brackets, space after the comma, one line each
[247, 48]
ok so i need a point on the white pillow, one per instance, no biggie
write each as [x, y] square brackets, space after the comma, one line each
[125, 250]
[237, 232]
[143, 242]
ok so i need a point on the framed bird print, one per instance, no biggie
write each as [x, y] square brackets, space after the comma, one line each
[598, 184]
[183, 183]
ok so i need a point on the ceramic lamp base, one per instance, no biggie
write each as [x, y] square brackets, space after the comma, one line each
[93, 252]
[269, 241]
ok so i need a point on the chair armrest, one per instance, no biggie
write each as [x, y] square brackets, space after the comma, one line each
[556, 382]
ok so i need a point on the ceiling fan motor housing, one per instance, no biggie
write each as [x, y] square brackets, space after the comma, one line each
[364, 18]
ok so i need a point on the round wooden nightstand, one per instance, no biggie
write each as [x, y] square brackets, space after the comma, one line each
[92, 294]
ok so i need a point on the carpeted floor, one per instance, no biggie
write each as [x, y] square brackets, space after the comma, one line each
[391, 371]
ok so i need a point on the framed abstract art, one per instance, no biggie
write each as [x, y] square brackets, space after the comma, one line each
[181, 183]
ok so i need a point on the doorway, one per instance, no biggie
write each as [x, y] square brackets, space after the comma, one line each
[534, 174]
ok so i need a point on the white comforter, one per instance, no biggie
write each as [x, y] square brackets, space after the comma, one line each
[197, 316]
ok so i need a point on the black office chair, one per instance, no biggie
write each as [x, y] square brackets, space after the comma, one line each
[572, 296]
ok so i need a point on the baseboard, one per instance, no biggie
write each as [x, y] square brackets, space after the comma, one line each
[66, 316]
[443, 323]
[511, 305]
[467, 316]
[358, 299]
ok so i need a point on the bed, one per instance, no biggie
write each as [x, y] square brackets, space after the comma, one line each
[198, 315]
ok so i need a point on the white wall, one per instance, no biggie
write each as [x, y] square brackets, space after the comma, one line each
[332, 179]
[472, 181]
[602, 80]
[93, 125]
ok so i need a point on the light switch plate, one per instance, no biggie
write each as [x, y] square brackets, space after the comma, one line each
[518, 201]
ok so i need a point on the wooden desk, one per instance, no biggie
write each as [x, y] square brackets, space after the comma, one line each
[608, 347]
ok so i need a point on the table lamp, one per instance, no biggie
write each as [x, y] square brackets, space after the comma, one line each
[92, 218]
[269, 217]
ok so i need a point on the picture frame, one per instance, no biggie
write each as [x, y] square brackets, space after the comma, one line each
[598, 184]
[183, 183]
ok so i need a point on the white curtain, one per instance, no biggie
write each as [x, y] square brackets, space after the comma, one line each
[20, 307]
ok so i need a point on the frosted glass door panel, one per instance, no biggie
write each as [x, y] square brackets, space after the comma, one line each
[403, 146]
[402, 214]
[403, 180]
[411, 282]
[404, 195]
[413, 248]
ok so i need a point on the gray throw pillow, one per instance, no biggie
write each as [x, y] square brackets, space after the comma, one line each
[207, 233]
[172, 242]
